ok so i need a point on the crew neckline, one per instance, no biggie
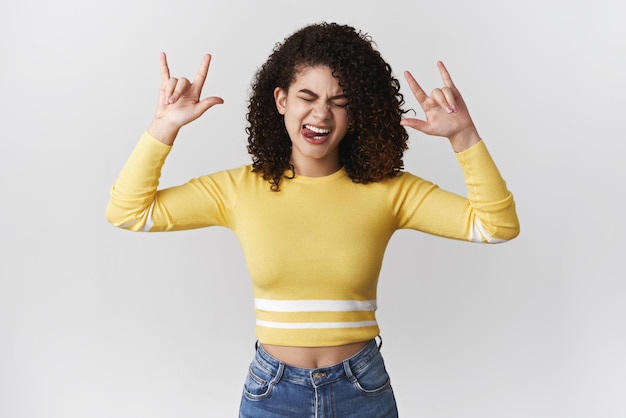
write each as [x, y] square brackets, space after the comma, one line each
[299, 178]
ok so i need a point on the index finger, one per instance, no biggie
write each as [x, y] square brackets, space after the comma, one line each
[201, 75]
[417, 90]
[165, 70]
[445, 75]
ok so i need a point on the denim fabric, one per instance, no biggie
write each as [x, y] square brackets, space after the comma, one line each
[358, 387]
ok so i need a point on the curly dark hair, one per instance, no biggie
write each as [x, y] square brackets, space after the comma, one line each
[373, 148]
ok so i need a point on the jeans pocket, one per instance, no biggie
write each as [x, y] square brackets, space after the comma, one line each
[258, 384]
[371, 379]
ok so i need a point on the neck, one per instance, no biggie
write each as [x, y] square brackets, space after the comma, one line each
[315, 171]
[316, 168]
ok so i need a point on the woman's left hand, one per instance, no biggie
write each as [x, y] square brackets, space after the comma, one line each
[446, 113]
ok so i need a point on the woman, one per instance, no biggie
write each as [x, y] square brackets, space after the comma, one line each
[316, 208]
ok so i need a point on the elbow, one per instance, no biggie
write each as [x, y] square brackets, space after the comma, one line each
[493, 234]
[113, 216]
[511, 229]
[515, 232]
[120, 219]
[509, 233]
[130, 219]
[110, 214]
[115, 213]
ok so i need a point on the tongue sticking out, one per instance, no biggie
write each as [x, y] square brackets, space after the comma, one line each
[313, 135]
[308, 133]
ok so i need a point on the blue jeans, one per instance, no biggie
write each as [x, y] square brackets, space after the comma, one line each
[358, 387]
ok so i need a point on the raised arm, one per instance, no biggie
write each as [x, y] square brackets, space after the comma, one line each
[134, 202]
[488, 213]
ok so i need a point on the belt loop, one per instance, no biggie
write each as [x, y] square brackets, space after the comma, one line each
[380, 344]
[279, 373]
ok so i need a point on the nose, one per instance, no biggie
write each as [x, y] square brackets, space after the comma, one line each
[322, 110]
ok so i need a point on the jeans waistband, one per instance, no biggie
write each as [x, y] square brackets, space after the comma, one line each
[321, 375]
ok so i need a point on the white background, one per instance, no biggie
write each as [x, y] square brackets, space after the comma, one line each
[99, 322]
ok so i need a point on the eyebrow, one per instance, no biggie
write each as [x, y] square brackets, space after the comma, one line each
[309, 92]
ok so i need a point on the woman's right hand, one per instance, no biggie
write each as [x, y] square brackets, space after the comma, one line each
[179, 101]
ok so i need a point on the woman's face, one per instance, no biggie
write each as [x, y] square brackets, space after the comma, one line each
[316, 118]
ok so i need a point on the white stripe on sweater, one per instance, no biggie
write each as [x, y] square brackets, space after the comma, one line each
[271, 305]
[313, 325]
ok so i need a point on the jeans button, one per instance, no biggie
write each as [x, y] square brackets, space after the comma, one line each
[319, 375]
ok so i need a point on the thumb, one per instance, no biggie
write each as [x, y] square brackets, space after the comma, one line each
[417, 124]
[205, 104]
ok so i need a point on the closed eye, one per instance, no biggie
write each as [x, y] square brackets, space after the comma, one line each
[340, 103]
[309, 96]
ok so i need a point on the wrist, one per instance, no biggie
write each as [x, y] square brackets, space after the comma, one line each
[163, 131]
[464, 140]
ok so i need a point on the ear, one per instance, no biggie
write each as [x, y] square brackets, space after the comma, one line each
[280, 98]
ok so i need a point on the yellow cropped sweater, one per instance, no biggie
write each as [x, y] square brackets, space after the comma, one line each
[314, 249]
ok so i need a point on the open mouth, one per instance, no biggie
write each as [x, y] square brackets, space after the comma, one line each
[315, 132]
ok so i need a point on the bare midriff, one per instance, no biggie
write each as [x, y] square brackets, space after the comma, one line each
[313, 357]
